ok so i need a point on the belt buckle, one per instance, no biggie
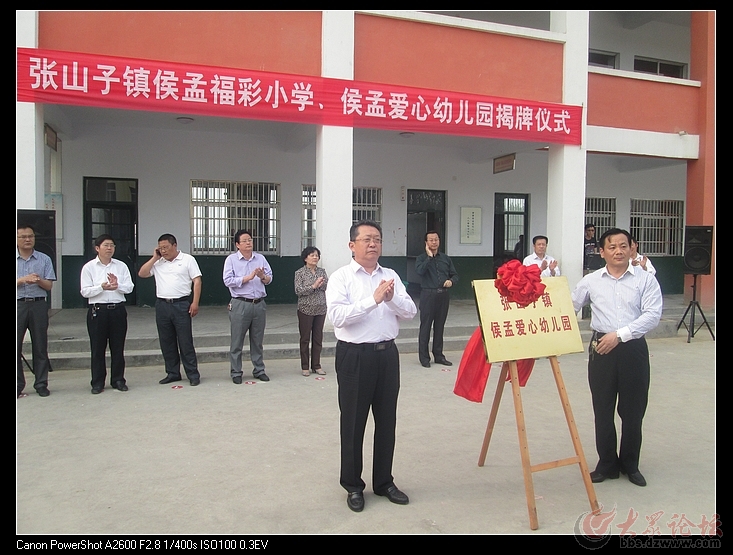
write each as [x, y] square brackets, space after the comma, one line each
[381, 346]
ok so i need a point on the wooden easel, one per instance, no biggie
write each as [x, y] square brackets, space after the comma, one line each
[527, 468]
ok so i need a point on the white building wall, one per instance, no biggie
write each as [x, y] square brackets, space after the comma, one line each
[165, 161]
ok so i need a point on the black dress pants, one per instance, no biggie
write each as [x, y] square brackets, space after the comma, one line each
[107, 323]
[621, 375]
[368, 377]
[175, 333]
[33, 316]
[434, 305]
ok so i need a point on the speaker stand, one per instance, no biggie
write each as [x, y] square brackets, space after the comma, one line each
[694, 305]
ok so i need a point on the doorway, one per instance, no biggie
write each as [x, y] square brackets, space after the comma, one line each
[110, 206]
[425, 212]
[511, 225]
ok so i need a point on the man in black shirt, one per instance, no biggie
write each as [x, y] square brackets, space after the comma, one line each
[438, 276]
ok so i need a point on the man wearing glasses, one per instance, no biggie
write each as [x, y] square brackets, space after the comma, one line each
[104, 282]
[245, 274]
[35, 277]
[365, 304]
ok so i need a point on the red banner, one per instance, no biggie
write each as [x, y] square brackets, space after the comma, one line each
[54, 77]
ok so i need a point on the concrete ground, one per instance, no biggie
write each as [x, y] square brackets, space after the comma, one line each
[264, 457]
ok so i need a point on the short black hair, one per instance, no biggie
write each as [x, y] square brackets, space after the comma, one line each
[241, 232]
[614, 231]
[354, 231]
[538, 237]
[24, 225]
[102, 238]
[588, 226]
[168, 237]
[430, 233]
[307, 252]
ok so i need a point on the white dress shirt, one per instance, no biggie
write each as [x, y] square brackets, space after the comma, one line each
[94, 274]
[173, 279]
[356, 316]
[630, 305]
[534, 259]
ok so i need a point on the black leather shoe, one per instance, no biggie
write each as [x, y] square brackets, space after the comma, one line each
[597, 477]
[120, 386]
[425, 364]
[444, 362]
[395, 496]
[194, 382]
[237, 379]
[170, 378]
[263, 377]
[636, 478]
[97, 390]
[44, 392]
[355, 501]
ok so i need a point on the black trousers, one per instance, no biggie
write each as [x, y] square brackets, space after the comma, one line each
[367, 378]
[434, 305]
[621, 375]
[33, 316]
[107, 323]
[310, 326]
[175, 333]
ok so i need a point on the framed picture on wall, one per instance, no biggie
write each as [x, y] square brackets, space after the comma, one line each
[470, 225]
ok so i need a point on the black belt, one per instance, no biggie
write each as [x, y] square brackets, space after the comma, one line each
[436, 290]
[31, 299]
[247, 300]
[108, 306]
[178, 300]
[381, 346]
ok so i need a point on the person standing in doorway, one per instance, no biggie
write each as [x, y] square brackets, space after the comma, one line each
[104, 282]
[437, 275]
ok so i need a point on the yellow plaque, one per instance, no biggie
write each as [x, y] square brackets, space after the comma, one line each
[545, 328]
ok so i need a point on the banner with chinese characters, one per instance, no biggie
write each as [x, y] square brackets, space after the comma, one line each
[545, 328]
[55, 77]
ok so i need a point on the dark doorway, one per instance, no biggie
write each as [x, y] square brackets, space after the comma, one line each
[511, 225]
[110, 206]
[425, 212]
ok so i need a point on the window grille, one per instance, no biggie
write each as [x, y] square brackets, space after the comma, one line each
[220, 208]
[514, 213]
[308, 229]
[658, 226]
[601, 212]
[367, 204]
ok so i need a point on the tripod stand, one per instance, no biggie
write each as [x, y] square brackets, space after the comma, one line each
[694, 305]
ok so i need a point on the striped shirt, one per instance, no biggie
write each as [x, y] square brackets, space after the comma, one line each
[37, 263]
[630, 305]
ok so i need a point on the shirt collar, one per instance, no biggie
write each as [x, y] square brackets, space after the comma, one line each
[629, 269]
[355, 267]
[241, 256]
[32, 255]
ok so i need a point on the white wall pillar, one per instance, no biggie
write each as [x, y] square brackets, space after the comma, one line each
[335, 147]
[28, 127]
[567, 164]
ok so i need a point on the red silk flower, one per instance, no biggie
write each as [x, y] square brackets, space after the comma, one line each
[519, 283]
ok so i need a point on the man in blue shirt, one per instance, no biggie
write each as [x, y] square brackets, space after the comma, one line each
[245, 274]
[35, 277]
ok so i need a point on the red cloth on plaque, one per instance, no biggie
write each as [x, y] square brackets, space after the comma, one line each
[473, 371]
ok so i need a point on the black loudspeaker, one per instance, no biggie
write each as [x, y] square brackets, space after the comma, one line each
[698, 249]
[43, 223]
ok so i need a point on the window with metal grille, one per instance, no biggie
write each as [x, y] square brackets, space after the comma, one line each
[658, 226]
[220, 208]
[601, 212]
[308, 228]
[367, 204]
